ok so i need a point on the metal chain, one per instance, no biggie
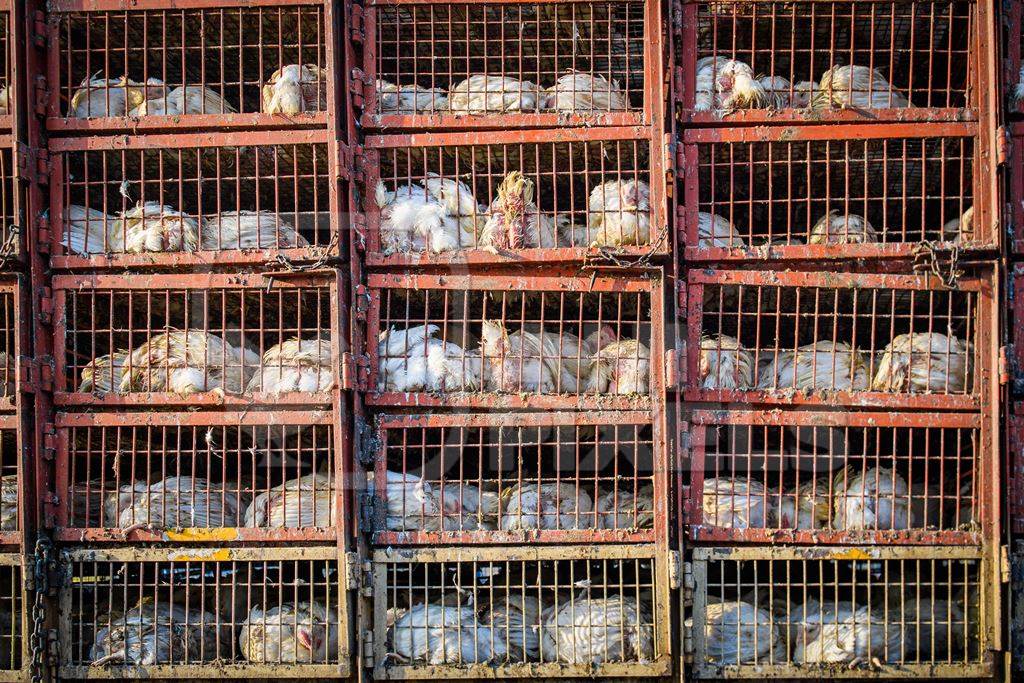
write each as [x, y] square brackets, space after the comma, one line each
[926, 258]
[612, 255]
[10, 245]
[324, 256]
[42, 564]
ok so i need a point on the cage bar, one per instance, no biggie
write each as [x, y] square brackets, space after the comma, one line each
[871, 191]
[1012, 31]
[551, 341]
[461, 613]
[219, 65]
[781, 62]
[840, 478]
[552, 64]
[217, 613]
[194, 199]
[519, 478]
[196, 340]
[596, 192]
[1015, 186]
[840, 613]
[852, 339]
[209, 477]
[1015, 467]
[14, 655]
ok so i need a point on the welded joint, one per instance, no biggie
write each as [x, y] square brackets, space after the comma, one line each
[358, 83]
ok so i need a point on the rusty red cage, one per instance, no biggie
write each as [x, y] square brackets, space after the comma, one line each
[218, 613]
[837, 477]
[228, 64]
[838, 338]
[1015, 467]
[519, 478]
[508, 341]
[1015, 187]
[805, 61]
[196, 340]
[1013, 78]
[784, 612]
[515, 612]
[14, 654]
[813, 192]
[8, 86]
[194, 199]
[512, 64]
[218, 476]
[512, 196]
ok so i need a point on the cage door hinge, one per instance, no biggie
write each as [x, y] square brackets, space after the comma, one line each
[39, 28]
[675, 569]
[362, 303]
[368, 660]
[356, 23]
[33, 165]
[49, 433]
[41, 101]
[343, 162]
[1004, 365]
[371, 509]
[358, 221]
[353, 368]
[1004, 564]
[368, 444]
[43, 235]
[675, 369]
[1002, 145]
[357, 86]
[352, 571]
[46, 305]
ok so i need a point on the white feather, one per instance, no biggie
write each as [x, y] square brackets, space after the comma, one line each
[923, 362]
[480, 94]
[619, 213]
[715, 231]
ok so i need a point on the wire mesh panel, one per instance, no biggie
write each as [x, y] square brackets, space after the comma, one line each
[822, 613]
[751, 196]
[506, 63]
[214, 65]
[1015, 465]
[494, 340]
[1013, 31]
[11, 496]
[238, 613]
[10, 333]
[7, 85]
[838, 338]
[181, 199]
[838, 477]
[1016, 186]
[518, 478]
[201, 477]
[196, 340]
[518, 612]
[544, 195]
[14, 658]
[805, 60]
[10, 204]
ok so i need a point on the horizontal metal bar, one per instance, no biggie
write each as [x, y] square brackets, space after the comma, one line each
[527, 283]
[862, 399]
[659, 667]
[845, 116]
[148, 281]
[220, 554]
[556, 537]
[880, 552]
[707, 534]
[151, 123]
[196, 259]
[469, 256]
[11, 559]
[229, 418]
[179, 140]
[789, 671]
[552, 419]
[829, 280]
[847, 132]
[438, 122]
[877, 251]
[519, 553]
[184, 671]
[207, 399]
[834, 419]
[511, 401]
[197, 535]
[64, 6]
[507, 136]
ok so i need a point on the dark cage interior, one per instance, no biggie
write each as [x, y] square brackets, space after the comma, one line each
[489, 478]
[439, 45]
[12, 626]
[196, 612]
[233, 51]
[170, 477]
[921, 48]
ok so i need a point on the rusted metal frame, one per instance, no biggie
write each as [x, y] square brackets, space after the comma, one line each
[16, 561]
[948, 129]
[609, 670]
[500, 137]
[788, 278]
[729, 416]
[885, 672]
[63, 6]
[158, 124]
[1014, 201]
[212, 670]
[1015, 466]
[988, 93]
[194, 139]
[513, 282]
[706, 533]
[559, 419]
[765, 117]
[449, 122]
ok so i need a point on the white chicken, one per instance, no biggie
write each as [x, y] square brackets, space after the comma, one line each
[5, 100]
[304, 632]
[468, 508]
[836, 228]
[959, 229]
[8, 504]
[737, 504]
[875, 500]
[857, 87]
[97, 97]
[116, 502]
[150, 634]
[726, 85]
[622, 367]
[294, 89]
[152, 227]
[806, 506]
[249, 230]
[516, 618]
[547, 507]
[185, 99]
[412, 504]
[104, 374]
[412, 218]
[1018, 90]
[414, 360]
[619, 214]
[88, 231]
[922, 362]
[737, 632]
[725, 364]
[824, 365]
[524, 361]
[445, 634]
[582, 92]
[459, 203]
[182, 502]
[304, 502]
[513, 221]
[409, 99]
[714, 231]
[803, 92]
[621, 509]
[594, 631]
[849, 635]
[185, 362]
[480, 94]
[295, 365]
[777, 90]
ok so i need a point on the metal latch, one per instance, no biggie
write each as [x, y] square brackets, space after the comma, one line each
[675, 561]
[49, 432]
[352, 571]
[361, 303]
[356, 24]
[1004, 365]
[371, 509]
[1004, 564]
[1002, 145]
[348, 372]
[368, 660]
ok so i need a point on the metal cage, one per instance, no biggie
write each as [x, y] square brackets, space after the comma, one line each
[14, 621]
[921, 50]
[194, 199]
[519, 478]
[419, 58]
[807, 193]
[509, 612]
[596, 192]
[840, 613]
[217, 613]
[211, 477]
[835, 338]
[1015, 187]
[845, 477]
[511, 341]
[227, 56]
[196, 340]
[1012, 14]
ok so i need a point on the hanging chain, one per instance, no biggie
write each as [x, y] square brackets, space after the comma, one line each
[926, 258]
[42, 564]
[10, 246]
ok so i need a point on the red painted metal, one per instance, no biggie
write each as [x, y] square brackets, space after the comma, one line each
[775, 312]
[1015, 186]
[1015, 467]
